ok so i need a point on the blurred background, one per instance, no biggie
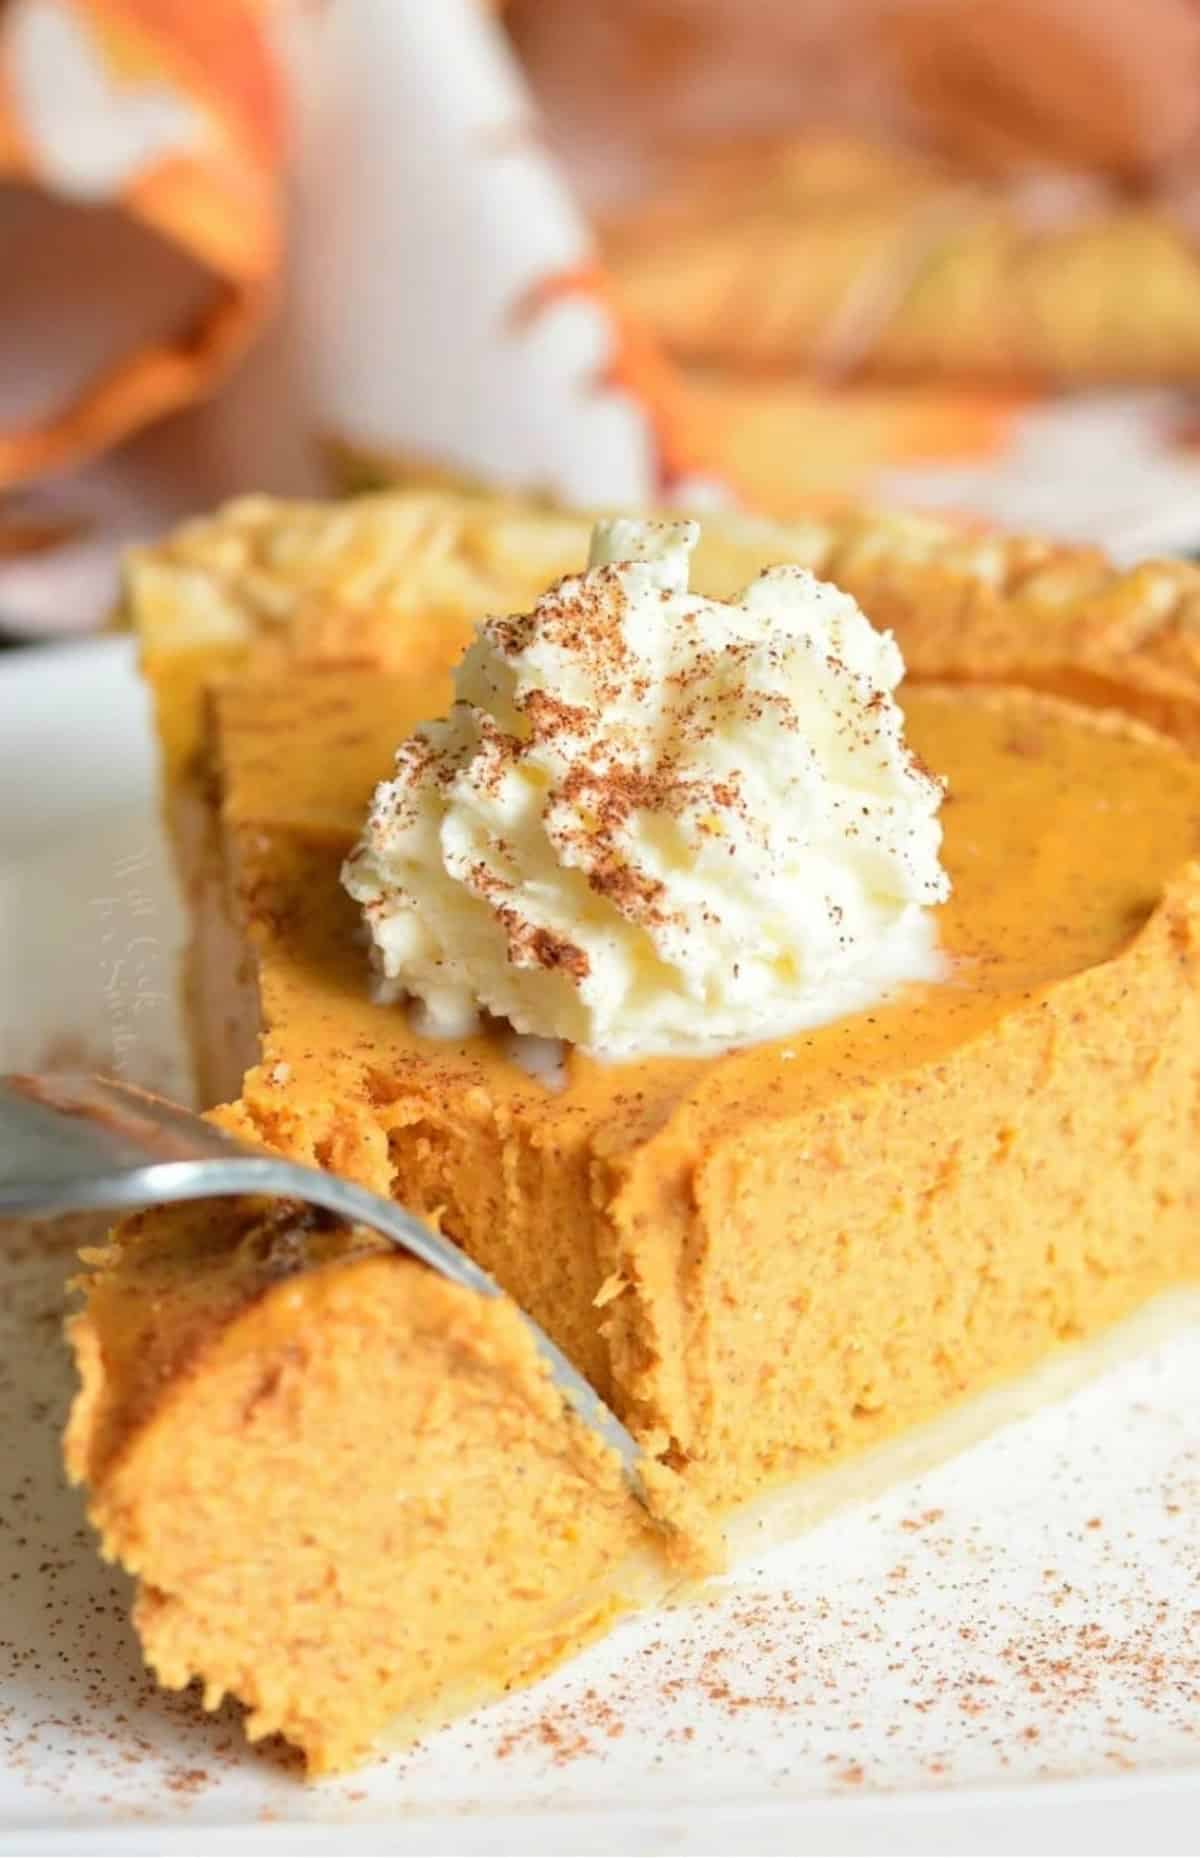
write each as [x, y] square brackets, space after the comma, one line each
[766, 253]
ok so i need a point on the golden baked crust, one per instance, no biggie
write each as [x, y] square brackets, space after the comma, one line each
[285, 582]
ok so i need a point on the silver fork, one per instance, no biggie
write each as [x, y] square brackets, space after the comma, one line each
[72, 1144]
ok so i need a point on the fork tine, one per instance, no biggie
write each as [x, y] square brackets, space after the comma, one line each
[77, 1141]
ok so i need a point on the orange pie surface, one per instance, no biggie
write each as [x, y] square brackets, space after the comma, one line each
[766, 1261]
[696, 1232]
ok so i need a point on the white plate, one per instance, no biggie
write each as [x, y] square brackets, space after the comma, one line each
[1002, 1654]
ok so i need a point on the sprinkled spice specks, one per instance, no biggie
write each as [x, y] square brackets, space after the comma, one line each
[1030, 1609]
[655, 823]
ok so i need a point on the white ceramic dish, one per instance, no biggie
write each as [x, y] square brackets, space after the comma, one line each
[1000, 1655]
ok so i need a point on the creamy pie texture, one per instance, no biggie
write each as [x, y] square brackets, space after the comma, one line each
[657, 823]
[770, 1262]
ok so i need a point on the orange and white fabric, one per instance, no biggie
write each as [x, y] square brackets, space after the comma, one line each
[436, 306]
[345, 216]
[454, 313]
[141, 227]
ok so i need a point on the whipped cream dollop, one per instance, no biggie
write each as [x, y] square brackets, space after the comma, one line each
[656, 823]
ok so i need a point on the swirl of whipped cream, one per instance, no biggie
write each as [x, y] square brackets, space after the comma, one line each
[655, 823]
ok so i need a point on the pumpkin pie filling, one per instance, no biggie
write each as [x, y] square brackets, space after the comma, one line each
[766, 1261]
[348, 1492]
[776, 1255]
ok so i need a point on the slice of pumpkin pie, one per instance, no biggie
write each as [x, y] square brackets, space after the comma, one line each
[797, 1095]
[349, 1493]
